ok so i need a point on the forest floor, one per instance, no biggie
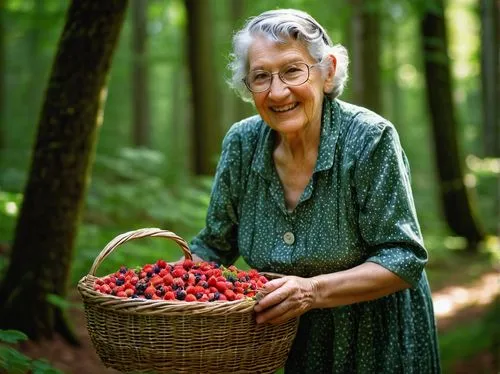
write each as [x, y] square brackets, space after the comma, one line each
[455, 305]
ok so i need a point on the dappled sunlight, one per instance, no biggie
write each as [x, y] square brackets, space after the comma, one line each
[453, 299]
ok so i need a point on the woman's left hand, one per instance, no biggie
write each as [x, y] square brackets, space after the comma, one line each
[285, 298]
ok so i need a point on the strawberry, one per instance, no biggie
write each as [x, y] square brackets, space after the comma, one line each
[212, 281]
[221, 286]
[190, 290]
[229, 294]
[190, 297]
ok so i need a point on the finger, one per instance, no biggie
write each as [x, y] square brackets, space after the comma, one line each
[273, 313]
[273, 285]
[274, 298]
[282, 318]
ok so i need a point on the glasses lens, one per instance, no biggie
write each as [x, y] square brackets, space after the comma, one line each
[258, 80]
[295, 74]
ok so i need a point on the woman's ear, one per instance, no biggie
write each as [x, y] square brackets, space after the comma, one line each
[330, 74]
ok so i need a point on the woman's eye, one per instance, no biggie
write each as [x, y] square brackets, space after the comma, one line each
[260, 76]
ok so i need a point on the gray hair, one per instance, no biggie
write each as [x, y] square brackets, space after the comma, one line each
[281, 25]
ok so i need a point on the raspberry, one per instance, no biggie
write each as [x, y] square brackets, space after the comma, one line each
[169, 295]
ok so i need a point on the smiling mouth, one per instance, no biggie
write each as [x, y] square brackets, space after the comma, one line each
[285, 108]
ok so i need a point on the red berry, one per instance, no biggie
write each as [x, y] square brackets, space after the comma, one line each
[168, 279]
[169, 295]
[190, 297]
[150, 291]
[178, 272]
[221, 286]
[161, 264]
[229, 294]
[187, 264]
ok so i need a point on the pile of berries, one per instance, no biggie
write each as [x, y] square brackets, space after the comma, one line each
[187, 281]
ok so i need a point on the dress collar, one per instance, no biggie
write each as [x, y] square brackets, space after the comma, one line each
[330, 125]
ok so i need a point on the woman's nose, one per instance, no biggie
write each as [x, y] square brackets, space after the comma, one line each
[278, 87]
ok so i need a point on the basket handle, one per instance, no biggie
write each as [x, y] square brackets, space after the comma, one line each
[136, 234]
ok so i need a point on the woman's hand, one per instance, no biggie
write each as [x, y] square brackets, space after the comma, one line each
[285, 298]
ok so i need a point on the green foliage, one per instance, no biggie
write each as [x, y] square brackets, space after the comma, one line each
[128, 192]
[14, 362]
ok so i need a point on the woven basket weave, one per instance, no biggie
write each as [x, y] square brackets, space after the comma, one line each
[158, 336]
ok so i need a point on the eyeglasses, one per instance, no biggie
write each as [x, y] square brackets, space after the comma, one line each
[293, 74]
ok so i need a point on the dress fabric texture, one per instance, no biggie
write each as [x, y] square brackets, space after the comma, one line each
[357, 207]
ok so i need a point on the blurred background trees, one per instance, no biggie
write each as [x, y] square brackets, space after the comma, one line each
[430, 67]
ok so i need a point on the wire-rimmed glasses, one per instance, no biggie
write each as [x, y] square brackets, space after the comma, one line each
[293, 74]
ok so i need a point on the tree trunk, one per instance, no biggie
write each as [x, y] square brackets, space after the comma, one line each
[42, 249]
[34, 89]
[239, 108]
[206, 129]
[140, 83]
[456, 201]
[2, 77]
[366, 54]
[490, 76]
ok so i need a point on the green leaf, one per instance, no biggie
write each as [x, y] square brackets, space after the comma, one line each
[13, 361]
[42, 366]
[12, 336]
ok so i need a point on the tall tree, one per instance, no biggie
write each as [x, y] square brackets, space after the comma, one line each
[2, 75]
[42, 249]
[490, 75]
[34, 88]
[366, 79]
[206, 127]
[239, 108]
[140, 83]
[457, 206]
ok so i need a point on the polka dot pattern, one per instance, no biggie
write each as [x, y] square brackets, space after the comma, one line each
[357, 207]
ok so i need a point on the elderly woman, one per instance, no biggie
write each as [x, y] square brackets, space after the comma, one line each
[319, 190]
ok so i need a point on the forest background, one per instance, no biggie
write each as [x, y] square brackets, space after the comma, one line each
[430, 68]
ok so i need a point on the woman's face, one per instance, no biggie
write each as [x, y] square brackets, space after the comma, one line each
[288, 109]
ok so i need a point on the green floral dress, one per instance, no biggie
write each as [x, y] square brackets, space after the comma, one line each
[357, 207]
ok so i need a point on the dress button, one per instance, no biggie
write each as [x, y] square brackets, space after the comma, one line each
[289, 238]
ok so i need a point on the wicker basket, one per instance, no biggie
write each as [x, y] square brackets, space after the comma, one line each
[157, 336]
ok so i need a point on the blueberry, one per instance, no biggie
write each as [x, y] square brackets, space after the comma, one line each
[216, 296]
[185, 277]
[149, 274]
[198, 295]
[123, 269]
[180, 295]
[119, 282]
[156, 269]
